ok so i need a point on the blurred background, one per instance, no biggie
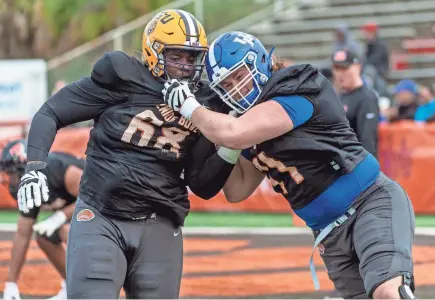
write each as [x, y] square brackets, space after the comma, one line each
[257, 248]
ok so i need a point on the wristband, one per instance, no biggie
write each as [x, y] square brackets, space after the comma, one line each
[229, 155]
[189, 107]
[35, 166]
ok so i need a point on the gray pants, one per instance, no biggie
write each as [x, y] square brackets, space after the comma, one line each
[374, 244]
[105, 254]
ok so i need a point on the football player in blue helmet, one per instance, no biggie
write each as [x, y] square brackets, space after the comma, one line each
[293, 128]
[250, 63]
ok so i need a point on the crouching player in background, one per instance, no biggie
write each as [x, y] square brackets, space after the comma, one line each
[63, 173]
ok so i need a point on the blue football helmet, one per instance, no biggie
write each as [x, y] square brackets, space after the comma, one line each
[227, 54]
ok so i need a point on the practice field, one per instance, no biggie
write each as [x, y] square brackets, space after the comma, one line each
[251, 263]
[225, 219]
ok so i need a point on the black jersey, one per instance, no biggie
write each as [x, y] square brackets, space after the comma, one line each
[138, 147]
[302, 163]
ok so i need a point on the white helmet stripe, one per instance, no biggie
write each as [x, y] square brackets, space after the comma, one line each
[190, 24]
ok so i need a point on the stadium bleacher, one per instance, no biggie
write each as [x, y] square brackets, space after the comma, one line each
[305, 33]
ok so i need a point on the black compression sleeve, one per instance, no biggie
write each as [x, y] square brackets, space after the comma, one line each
[80, 101]
[42, 133]
[206, 172]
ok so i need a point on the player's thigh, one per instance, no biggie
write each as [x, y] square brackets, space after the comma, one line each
[96, 265]
[156, 268]
[383, 235]
[341, 261]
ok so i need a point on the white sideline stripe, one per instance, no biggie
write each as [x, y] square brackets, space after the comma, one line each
[430, 231]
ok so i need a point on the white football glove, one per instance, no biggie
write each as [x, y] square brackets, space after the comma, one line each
[33, 187]
[51, 224]
[178, 96]
[11, 291]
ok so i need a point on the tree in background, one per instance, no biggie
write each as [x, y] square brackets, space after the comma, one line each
[45, 28]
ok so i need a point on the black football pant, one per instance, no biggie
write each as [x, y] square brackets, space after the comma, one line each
[105, 254]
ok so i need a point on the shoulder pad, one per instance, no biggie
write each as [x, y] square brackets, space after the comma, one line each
[117, 70]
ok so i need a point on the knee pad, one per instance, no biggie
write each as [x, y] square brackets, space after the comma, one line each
[54, 238]
[406, 290]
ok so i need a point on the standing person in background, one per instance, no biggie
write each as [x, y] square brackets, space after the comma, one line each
[376, 52]
[345, 41]
[359, 101]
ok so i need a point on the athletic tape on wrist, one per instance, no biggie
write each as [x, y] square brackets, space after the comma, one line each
[229, 155]
[35, 166]
[189, 107]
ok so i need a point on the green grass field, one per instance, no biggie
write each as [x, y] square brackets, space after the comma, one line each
[203, 219]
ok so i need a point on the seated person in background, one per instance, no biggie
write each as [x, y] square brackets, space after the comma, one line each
[426, 109]
[406, 101]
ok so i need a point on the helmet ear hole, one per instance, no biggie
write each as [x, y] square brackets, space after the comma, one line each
[263, 59]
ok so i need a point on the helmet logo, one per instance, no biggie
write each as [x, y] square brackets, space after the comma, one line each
[244, 38]
[151, 27]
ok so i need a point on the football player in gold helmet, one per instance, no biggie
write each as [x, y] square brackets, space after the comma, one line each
[126, 227]
[174, 45]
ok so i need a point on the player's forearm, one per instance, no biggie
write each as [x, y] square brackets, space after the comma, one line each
[234, 183]
[221, 129]
[19, 248]
[242, 182]
[207, 169]
[210, 179]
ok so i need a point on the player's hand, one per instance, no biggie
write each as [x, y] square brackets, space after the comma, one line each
[33, 187]
[11, 291]
[51, 224]
[178, 96]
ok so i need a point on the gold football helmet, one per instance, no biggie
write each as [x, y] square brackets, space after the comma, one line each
[174, 29]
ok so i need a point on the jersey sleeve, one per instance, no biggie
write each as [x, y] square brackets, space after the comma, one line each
[299, 109]
[205, 171]
[80, 101]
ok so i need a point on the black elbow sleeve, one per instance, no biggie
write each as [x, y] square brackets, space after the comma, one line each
[209, 180]
[42, 133]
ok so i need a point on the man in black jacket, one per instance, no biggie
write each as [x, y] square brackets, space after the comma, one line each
[359, 101]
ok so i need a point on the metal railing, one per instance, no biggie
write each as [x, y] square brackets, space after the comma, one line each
[78, 62]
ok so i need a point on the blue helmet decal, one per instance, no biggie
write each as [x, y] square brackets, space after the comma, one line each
[231, 52]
